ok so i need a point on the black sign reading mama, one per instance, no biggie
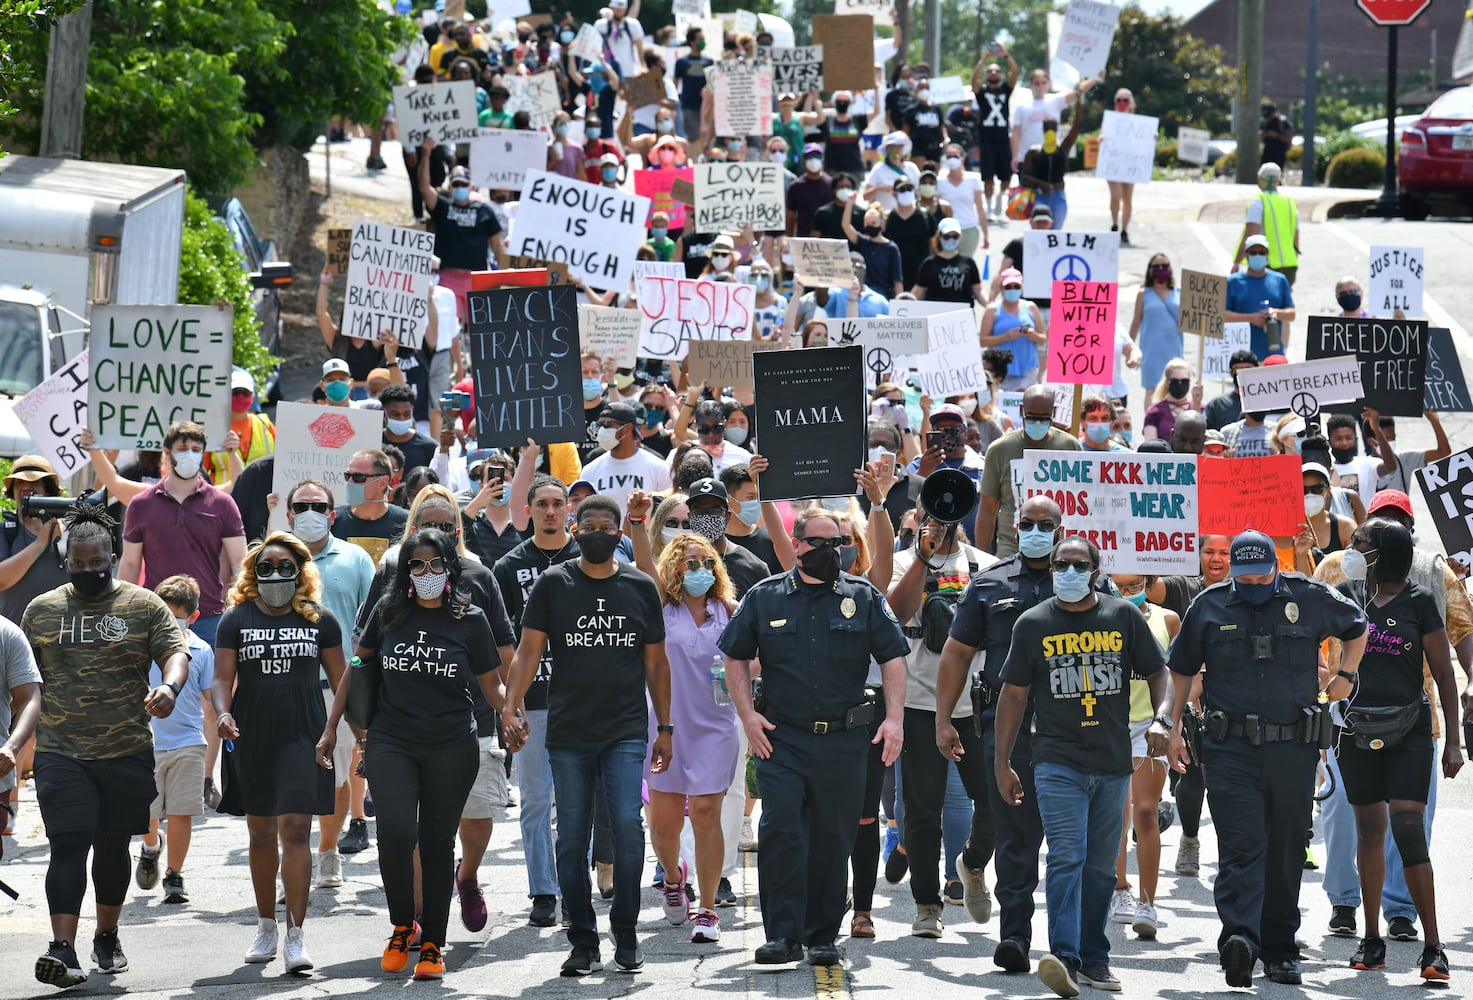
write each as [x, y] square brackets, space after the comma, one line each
[1392, 355]
[524, 357]
[811, 414]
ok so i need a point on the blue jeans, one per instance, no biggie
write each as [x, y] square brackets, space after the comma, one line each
[534, 778]
[1081, 821]
[1059, 202]
[574, 774]
[956, 819]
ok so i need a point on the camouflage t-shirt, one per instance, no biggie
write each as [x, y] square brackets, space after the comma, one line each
[94, 657]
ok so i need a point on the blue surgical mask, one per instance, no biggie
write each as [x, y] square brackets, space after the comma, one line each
[1256, 594]
[698, 581]
[1099, 433]
[764, 283]
[951, 242]
[1012, 294]
[567, 37]
[750, 513]
[654, 416]
[611, 173]
[460, 194]
[664, 125]
[1257, 261]
[400, 426]
[659, 232]
[357, 493]
[337, 391]
[560, 129]
[505, 497]
[837, 505]
[593, 131]
[1126, 435]
[1071, 585]
[1035, 543]
[592, 389]
[1036, 430]
[1136, 599]
[736, 435]
[1291, 445]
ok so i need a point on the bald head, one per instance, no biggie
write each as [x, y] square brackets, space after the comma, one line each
[1189, 433]
[1038, 403]
[1041, 508]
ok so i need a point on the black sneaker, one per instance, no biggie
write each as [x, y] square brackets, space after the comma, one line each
[1342, 922]
[1011, 956]
[174, 887]
[1237, 962]
[356, 839]
[896, 865]
[59, 966]
[724, 895]
[147, 872]
[544, 911]
[1401, 929]
[212, 795]
[1433, 964]
[627, 955]
[108, 953]
[1371, 955]
[953, 893]
[582, 961]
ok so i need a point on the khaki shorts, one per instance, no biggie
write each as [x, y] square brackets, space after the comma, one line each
[489, 793]
[180, 777]
[342, 752]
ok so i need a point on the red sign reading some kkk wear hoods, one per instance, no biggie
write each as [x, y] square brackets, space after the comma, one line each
[331, 430]
[1393, 13]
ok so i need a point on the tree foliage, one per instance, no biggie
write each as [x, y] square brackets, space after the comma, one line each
[21, 21]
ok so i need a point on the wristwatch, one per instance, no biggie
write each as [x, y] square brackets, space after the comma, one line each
[664, 729]
[1166, 721]
[176, 688]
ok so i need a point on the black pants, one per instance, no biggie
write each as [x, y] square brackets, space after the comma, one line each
[865, 858]
[439, 167]
[1191, 788]
[1019, 837]
[66, 874]
[419, 794]
[923, 787]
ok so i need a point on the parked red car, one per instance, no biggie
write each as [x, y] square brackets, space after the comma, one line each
[1435, 158]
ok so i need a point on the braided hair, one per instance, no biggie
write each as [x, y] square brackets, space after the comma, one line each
[87, 521]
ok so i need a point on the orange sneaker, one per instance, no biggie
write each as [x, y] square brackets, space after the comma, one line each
[396, 954]
[430, 964]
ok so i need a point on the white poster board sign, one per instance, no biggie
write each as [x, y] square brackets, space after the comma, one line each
[536, 94]
[588, 43]
[730, 195]
[676, 311]
[1301, 388]
[1396, 282]
[316, 442]
[1192, 144]
[1127, 148]
[390, 271]
[883, 11]
[501, 157]
[1084, 42]
[593, 229]
[55, 413]
[611, 331]
[443, 111]
[953, 365]
[741, 94]
[948, 90]
[1062, 255]
[1216, 351]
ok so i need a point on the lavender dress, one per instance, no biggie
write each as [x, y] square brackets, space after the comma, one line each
[706, 740]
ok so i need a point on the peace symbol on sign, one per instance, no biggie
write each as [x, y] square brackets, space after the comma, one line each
[878, 360]
[1069, 266]
[1304, 404]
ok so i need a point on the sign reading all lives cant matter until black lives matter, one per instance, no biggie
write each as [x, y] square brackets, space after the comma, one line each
[1448, 487]
[389, 277]
[593, 229]
[524, 358]
[154, 365]
[444, 111]
[730, 195]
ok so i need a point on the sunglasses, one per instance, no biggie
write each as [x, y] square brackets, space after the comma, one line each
[1122, 102]
[302, 506]
[671, 522]
[277, 571]
[241, 392]
[1080, 564]
[1026, 525]
[419, 567]
[695, 564]
[710, 428]
[837, 542]
[1318, 489]
[362, 477]
[444, 526]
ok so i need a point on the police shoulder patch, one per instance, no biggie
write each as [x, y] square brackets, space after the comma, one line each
[885, 607]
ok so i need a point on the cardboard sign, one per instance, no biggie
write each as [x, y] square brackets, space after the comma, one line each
[953, 365]
[1445, 389]
[796, 69]
[1192, 145]
[593, 229]
[536, 94]
[1235, 494]
[657, 269]
[683, 189]
[55, 413]
[524, 357]
[1202, 299]
[339, 247]
[1088, 33]
[316, 442]
[848, 42]
[810, 408]
[1303, 388]
[948, 90]
[883, 11]
[1392, 355]
[1218, 352]
[1082, 333]
[389, 277]
[822, 263]
[1448, 487]
[1050, 256]
[501, 157]
[656, 186]
[676, 311]
[1127, 148]
[611, 331]
[730, 195]
[648, 88]
[588, 44]
[1396, 281]
[724, 362]
[557, 274]
[444, 111]
[741, 94]
[153, 365]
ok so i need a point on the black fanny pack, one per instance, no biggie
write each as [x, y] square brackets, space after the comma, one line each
[1382, 728]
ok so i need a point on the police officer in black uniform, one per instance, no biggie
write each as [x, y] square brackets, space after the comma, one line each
[815, 630]
[1258, 637]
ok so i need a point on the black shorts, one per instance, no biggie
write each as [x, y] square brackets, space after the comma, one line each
[95, 796]
[995, 159]
[1400, 772]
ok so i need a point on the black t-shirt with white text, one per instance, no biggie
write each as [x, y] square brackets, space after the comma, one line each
[463, 233]
[948, 279]
[515, 573]
[996, 122]
[430, 662]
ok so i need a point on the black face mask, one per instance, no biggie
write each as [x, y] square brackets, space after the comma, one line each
[1349, 301]
[92, 583]
[1343, 455]
[1255, 415]
[597, 546]
[871, 231]
[1178, 387]
[821, 564]
[841, 106]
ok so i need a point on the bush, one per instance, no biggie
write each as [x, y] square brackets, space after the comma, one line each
[1357, 168]
[1334, 145]
[1226, 163]
[1295, 157]
[1166, 154]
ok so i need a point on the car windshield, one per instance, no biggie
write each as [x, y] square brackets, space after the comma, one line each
[1454, 104]
[20, 347]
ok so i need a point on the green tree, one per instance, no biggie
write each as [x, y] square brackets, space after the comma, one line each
[21, 22]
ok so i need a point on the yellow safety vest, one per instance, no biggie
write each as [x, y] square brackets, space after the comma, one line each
[262, 443]
[1280, 223]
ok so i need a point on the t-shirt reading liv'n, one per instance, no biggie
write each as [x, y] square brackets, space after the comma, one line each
[1078, 666]
[94, 657]
[597, 631]
[430, 663]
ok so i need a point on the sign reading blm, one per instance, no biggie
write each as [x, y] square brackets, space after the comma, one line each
[524, 358]
[811, 411]
[1392, 355]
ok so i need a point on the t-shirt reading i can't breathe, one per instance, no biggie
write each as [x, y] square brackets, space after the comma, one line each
[1078, 666]
[430, 662]
[596, 632]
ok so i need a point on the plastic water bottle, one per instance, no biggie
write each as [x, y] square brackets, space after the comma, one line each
[718, 681]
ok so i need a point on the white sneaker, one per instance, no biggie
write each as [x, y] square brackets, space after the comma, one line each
[1123, 906]
[1145, 920]
[677, 907]
[329, 870]
[297, 959]
[263, 949]
[748, 841]
[706, 928]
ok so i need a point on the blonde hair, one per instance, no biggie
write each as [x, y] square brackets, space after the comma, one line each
[309, 583]
[1161, 392]
[672, 569]
[437, 495]
[855, 528]
[657, 521]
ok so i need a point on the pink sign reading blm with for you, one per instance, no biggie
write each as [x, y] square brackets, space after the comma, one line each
[1082, 333]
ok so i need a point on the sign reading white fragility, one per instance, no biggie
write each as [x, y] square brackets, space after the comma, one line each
[676, 311]
[536, 94]
[445, 112]
[741, 94]
[501, 157]
[818, 262]
[730, 195]
[1089, 31]
[594, 230]
[588, 43]
[797, 69]
[1396, 281]
[953, 365]
[390, 271]
[153, 365]
[948, 90]
[1140, 510]
[316, 442]
[1192, 144]
[1217, 352]
[1301, 388]
[55, 414]
[610, 331]
[1127, 148]
[1050, 256]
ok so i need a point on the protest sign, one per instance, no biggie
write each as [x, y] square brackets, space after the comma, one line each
[54, 414]
[683, 189]
[316, 442]
[848, 42]
[1217, 352]
[811, 411]
[1141, 510]
[588, 43]
[557, 274]
[1448, 488]
[1445, 389]
[445, 112]
[524, 357]
[741, 96]
[153, 365]
[948, 90]
[647, 88]
[883, 11]
[1192, 144]
[1392, 355]
[1089, 31]
[389, 277]
[1050, 256]
[953, 365]
[656, 269]
[797, 69]
[1265, 493]
[724, 362]
[1396, 281]
[743, 22]
[656, 184]
[1303, 388]
[927, 307]
[339, 246]
[890, 342]
[1127, 148]
[687, 12]
[536, 94]
[1202, 298]
[611, 331]
[821, 263]
[593, 229]
[676, 311]
[730, 195]
[501, 157]
[1082, 333]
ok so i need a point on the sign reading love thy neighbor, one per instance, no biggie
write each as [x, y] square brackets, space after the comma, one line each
[1445, 389]
[390, 271]
[611, 331]
[1396, 281]
[811, 410]
[1303, 388]
[1202, 298]
[153, 365]
[55, 414]
[1448, 487]
[677, 311]
[1392, 355]
[730, 195]
[741, 96]
[501, 157]
[824, 263]
[1082, 333]
[593, 229]
[796, 69]
[524, 357]
[445, 112]
[1127, 148]
[316, 442]
[1050, 256]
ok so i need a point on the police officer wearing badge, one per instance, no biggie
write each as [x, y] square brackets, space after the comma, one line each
[815, 630]
[1258, 638]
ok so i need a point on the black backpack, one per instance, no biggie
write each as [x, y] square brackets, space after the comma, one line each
[938, 609]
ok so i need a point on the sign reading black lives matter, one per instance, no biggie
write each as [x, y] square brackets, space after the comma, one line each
[524, 358]
[1392, 355]
[810, 409]
[1448, 487]
[1445, 390]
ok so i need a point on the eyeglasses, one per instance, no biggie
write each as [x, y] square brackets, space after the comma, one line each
[1082, 565]
[837, 542]
[1123, 102]
[695, 564]
[419, 567]
[671, 522]
[362, 477]
[710, 428]
[1134, 588]
[446, 526]
[1318, 489]
[1017, 288]
[302, 506]
[276, 571]
[1024, 524]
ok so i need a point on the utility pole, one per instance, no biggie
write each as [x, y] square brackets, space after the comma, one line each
[1311, 92]
[1250, 88]
[1387, 206]
[933, 36]
[66, 85]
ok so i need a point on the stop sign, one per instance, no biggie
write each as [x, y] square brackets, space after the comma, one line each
[1393, 13]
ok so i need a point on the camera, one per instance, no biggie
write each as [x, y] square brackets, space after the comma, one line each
[50, 508]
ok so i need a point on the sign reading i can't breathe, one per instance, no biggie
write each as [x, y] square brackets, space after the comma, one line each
[1082, 333]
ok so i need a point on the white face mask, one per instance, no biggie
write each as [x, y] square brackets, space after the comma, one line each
[183, 624]
[953, 163]
[187, 463]
[310, 526]
[608, 438]
[720, 261]
[429, 586]
[1313, 504]
[878, 452]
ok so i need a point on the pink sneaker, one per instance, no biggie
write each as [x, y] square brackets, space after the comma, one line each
[677, 907]
[706, 928]
[472, 903]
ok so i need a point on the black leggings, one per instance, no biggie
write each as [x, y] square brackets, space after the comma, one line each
[419, 794]
[865, 858]
[66, 875]
[1190, 791]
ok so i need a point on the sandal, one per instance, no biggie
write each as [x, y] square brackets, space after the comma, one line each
[861, 926]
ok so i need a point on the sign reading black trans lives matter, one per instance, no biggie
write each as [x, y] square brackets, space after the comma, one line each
[810, 408]
[524, 358]
[593, 229]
